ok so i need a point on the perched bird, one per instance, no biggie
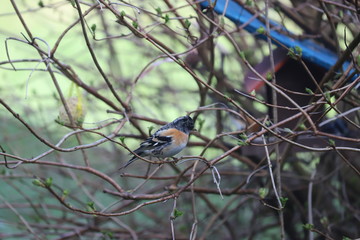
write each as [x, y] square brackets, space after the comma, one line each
[169, 140]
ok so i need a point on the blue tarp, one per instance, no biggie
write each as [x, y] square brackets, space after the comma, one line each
[311, 51]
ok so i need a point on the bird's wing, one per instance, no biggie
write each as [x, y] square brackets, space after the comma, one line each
[155, 140]
[155, 143]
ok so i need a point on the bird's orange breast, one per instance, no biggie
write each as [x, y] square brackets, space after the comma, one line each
[178, 137]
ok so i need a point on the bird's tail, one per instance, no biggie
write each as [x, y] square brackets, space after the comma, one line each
[139, 152]
[128, 162]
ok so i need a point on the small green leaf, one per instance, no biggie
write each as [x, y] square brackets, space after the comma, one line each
[295, 52]
[249, 3]
[242, 55]
[327, 96]
[242, 143]
[48, 182]
[269, 76]
[135, 24]
[243, 136]
[65, 193]
[93, 28]
[268, 123]
[122, 139]
[309, 91]
[177, 213]
[308, 226]
[283, 201]
[41, 4]
[263, 192]
[341, 13]
[324, 221]
[158, 11]
[260, 30]
[107, 234]
[187, 23]
[298, 51]
[288, 130]
[91, 206]
[302, 126]
[38, 183]
[72, 3]
[332, 142]
[167, 18]
[291, 53]
[150, 130]
[122, 13]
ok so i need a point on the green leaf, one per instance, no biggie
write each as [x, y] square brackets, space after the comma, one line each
[91, 206]
[291, 53]
[167, 18]
[298, 51]
[295, 52]
[122, 13]
[242, 55]
[158, 11]
[72, 3]
[93, 28]
[324, 221]
[249, 3]
[242, 143]
[177, 213]
[150, 130]
[41, 4]
[260, 30]
[38, 183]
[187, 23]
[332, 142]
[309, 91]
[243, 136]
[268, 123]
[302, 126]
[308, 226]
[269, 76]
[327, 96]
[135, 24]
[122, 139]
[263, 192]
[107, 234]
[283, 201]
[48, 182]
[288, 130]
[65, 193]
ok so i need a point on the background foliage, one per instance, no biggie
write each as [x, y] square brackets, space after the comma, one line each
[120, 70]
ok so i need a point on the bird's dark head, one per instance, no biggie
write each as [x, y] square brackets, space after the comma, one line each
[185, 124]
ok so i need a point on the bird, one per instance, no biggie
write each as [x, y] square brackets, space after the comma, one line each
[167, 141]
